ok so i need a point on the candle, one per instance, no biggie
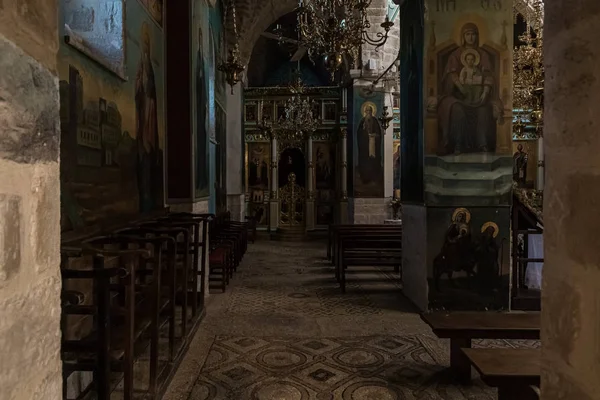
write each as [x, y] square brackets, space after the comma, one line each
[396, 193]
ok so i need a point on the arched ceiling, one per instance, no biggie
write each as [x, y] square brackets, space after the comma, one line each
[255, 16]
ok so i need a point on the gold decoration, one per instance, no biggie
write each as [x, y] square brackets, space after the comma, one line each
[490, 224]
[464, 211]
[528, 62]
[232, 67]
[337, 28]
[363, 109]
[291, 206]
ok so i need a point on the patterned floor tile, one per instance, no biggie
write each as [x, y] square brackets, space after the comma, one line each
[290, 287]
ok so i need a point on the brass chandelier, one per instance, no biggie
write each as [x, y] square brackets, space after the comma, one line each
[337, 28]
[298, 120]
[528, 60]
[232, 67]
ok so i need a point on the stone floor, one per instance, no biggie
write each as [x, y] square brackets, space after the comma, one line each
[284, 331]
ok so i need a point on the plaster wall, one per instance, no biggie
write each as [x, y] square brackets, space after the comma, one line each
[29, 202]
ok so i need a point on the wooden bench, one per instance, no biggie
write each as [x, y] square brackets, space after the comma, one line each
[336, 230]
[462, 327]
[515, 372]
[377, 248]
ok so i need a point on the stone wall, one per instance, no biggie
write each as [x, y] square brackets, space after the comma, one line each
[29, 202]
[370, 211]
[571, 274]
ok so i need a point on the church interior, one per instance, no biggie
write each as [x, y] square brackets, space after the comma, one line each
[299, 199]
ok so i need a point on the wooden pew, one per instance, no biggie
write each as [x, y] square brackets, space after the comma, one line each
[515, 372]
[462, 327]
[372, 248]
[365, 229]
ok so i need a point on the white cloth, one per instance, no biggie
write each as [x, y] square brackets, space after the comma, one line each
[533, 276]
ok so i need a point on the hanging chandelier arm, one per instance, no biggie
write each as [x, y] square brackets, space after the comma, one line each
[380, 41]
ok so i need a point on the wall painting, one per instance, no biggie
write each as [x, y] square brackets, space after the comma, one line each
[468, 251]
[112, 131]
[468, 88]
[201, 99]
[324, 169]
[368, 146]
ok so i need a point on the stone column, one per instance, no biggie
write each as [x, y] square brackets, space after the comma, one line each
[571, 274]
[30, 283]
[344, 175]
[273, 197]
[310, 190]
[388, 144]
[235, 151]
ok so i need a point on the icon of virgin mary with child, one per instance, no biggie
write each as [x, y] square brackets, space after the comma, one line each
[469, 104]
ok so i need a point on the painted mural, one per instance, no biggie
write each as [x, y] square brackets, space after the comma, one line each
[155, 9]
[469, 265]
[208, 42]
[202, 117]
[368, 140]
[149, 154]
[324, 170]
[112, 131]
[468, 125]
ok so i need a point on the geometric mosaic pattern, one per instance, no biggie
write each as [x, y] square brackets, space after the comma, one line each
[378, 368]
[293, 282]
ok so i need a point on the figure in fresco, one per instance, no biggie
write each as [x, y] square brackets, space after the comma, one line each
[487, 252]
[469, 104]
[457, 251]
[369, 135]
[258, 167]
[149, 154]
[202, 119]
[520, 159]
[323, 174]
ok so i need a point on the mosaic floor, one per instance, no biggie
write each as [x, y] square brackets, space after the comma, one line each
[284, 331]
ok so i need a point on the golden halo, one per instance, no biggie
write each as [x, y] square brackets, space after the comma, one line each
[493, 225]
[463, 57]
[363, 108]
[464, 211]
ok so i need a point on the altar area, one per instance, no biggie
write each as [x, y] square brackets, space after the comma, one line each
[295, 163]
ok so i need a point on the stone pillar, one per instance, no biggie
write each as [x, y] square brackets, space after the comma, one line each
[30, 281]
[571, 273]
[273, 197]
[344, 176]
[388, 145]
[235, 154]
[310, 190]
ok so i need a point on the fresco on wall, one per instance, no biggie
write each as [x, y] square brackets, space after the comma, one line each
[468, 250]
[150, 157]
[221, 160]
[258, 166]
[155, 9]
[324, 169]
[468, 88]
[202, 115]
[368, 139]
[112, 131]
